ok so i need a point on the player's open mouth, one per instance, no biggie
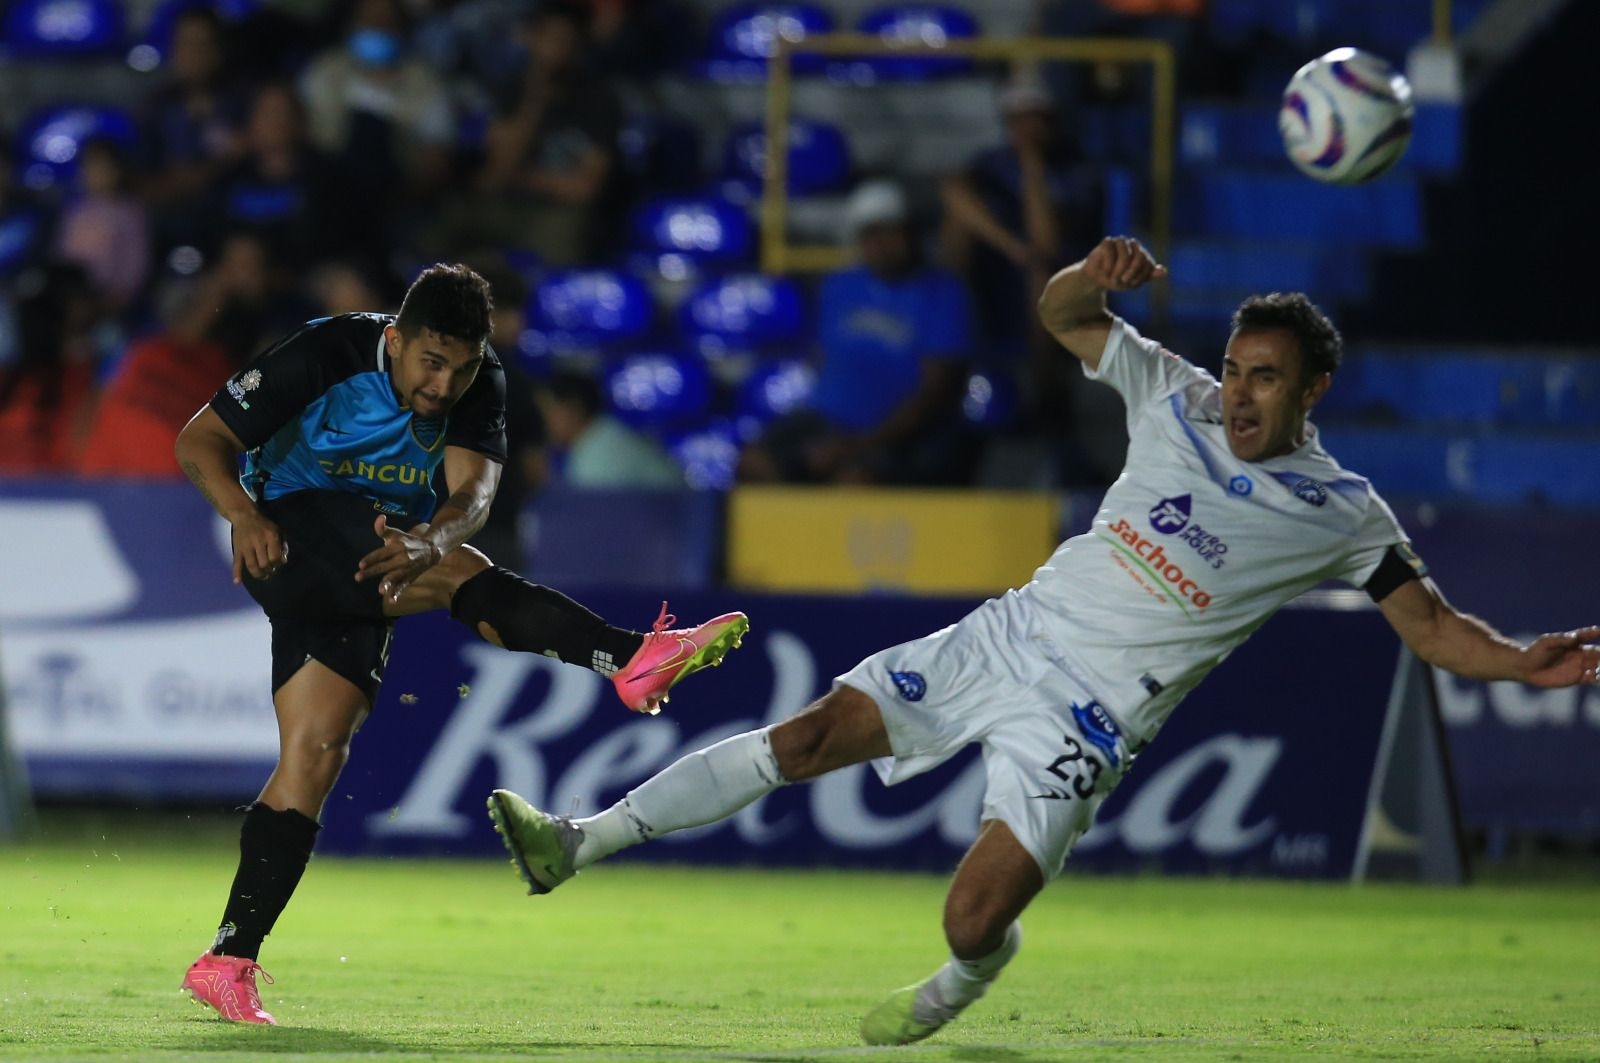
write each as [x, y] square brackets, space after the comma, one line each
[1240, 428]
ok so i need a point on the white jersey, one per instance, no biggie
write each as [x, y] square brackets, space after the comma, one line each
[1193, 549]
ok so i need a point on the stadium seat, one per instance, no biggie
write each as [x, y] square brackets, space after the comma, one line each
[679, 235]
[1258, 205]
[21, 234]
[1247, 135]
[63, 29]
[50, 139]
[743, 313]
[745, 36]
[659, 392]
[819, 158]
[586, 310]
[770, 391]
[709, 455]
[990, 401]
[911, 24]
[661, 153]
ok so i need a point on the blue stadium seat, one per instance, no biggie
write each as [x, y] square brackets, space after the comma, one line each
[1526, 389]
[581, 310]
[661, 153]
[21, 234]
[1326, 272]
[743, 313]
[745, 36]
[911, 24]
[1226, 134]
[770, 391]
[1257, 205]
[680, 235]
[819, 157]
[991, 400]
[50, 140]
[63, 29]
[709, 455]
[659, 392]
[1432, 463]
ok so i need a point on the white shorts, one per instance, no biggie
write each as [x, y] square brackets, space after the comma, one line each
[1050, 753]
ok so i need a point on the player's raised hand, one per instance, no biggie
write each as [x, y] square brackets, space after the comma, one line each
[401, 559]
[1564, 660]
[1120, 263]
[258, 548]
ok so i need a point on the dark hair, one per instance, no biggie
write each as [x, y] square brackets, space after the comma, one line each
[575, 389]
[451, 300]
[1321, 347]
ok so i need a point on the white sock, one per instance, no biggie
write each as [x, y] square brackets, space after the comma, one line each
[959, 982]
[703, 787]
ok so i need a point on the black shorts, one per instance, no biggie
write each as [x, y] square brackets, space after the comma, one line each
[318, 610]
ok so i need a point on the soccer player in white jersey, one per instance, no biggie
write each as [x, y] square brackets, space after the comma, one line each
[1227, 508]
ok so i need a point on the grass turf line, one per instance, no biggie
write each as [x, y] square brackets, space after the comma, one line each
[447, 960]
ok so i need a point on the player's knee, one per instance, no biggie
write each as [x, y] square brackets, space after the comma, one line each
[818, 740]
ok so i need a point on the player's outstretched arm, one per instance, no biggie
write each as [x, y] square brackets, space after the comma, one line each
[208, 451]
[1073, 306]
[1465, 645]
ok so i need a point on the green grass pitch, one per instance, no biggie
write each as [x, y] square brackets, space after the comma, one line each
[447, 960]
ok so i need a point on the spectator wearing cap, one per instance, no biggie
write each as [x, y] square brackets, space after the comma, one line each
[1017, 213]
[894, 334]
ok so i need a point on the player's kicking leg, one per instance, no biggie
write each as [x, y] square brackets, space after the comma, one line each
[996, 880]
[711, 784]
[510, 612]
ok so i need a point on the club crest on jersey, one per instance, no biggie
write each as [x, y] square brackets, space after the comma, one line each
[910, 684]
[1170, 514]
[243, 384]
[1099, 728]
[1241, 485]
[1311, 492]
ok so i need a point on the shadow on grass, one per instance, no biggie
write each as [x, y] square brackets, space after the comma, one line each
[288, 1040]
[987, 1054]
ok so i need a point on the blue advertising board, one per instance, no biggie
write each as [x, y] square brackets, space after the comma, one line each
[1267, 769]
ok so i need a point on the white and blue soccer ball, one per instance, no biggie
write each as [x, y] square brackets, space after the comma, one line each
[1346, 117]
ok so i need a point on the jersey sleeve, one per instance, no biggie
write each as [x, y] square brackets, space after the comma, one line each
[1141, 370]
[275, 387]
[1380, 532]
[479, 420]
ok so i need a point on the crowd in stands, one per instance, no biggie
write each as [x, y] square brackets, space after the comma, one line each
[305, 160]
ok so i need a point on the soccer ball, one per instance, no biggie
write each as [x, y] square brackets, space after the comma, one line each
[1346, 117]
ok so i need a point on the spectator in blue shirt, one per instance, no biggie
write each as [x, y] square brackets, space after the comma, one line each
[895, 334]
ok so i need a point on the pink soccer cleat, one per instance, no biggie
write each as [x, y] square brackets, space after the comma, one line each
[669, 655]
[227, 985]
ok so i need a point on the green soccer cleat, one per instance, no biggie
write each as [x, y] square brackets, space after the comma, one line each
[894, 1020]
[542, 846]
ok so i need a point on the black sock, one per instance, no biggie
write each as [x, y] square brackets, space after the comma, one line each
[537, 619]
[273, 849]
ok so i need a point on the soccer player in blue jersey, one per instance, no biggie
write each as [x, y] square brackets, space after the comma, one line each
[344, 426]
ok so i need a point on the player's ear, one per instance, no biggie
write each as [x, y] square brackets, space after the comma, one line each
[391, 339]
[1317, 388]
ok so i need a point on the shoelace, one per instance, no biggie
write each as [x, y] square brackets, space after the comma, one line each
[664, 621]
[253, 968]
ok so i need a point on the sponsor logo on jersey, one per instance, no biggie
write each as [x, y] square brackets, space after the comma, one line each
[1147, 560]
[1309, 491]
[390, 472]
[910, 684]
[242, 385]
[1241, 485]
[1171, 516]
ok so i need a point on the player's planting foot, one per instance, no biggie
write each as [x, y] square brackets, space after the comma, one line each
[896, 1020]
[669, 654]
[227, 985]
[541, 845]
